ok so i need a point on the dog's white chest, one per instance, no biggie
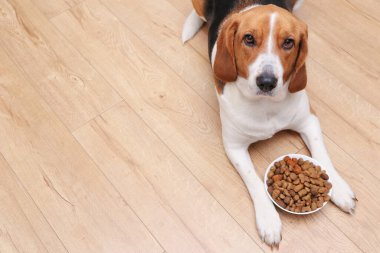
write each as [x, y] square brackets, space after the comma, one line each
[259, 119]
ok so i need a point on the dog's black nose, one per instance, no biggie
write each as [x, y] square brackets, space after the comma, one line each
[266, 82]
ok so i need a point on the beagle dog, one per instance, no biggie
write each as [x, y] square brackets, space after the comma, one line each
[257, 50]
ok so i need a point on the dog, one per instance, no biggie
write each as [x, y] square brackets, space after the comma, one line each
[257, 51]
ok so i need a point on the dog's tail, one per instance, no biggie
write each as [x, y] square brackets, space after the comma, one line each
[297, 5]
[192, 25]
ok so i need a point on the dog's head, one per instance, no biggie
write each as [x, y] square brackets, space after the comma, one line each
[263, 50]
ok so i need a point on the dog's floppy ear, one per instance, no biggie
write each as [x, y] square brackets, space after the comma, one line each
[224, 64]
[299, 78]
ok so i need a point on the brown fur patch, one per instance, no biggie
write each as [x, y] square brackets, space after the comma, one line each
[219, 86]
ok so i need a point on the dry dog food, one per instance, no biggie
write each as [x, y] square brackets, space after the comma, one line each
[298, 185]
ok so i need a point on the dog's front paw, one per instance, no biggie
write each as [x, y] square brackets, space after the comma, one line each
[269, 225]
[343, 196]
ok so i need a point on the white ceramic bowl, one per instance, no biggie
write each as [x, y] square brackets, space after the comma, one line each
[298, 156]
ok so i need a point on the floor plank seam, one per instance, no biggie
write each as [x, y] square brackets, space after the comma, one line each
[146, 179]
[337, 227]
[195, 177]
[35, 204]
[343, 149]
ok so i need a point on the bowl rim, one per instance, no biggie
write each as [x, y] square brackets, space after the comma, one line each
[298, 156]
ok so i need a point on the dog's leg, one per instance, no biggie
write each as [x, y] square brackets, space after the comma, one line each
[342, 195]
[192, 25]
[268, 222]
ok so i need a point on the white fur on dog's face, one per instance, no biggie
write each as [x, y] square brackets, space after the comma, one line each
[265, 60]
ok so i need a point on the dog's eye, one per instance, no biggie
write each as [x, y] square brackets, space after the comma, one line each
[288, 44]
[249, 40]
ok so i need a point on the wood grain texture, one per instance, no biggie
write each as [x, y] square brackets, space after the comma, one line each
[17, 233]
[83, 208]
[110, 139]
[174, 186]
[61, 76]
[53, 8]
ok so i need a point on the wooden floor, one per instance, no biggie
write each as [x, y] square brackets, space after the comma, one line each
[110, 134]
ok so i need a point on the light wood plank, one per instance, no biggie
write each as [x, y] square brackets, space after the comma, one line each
[52, 8]
[121, 137]
[62, 77]
[348, 49]
[84, 209]
[161, 24]
[348, 128]
[368, 8]
[16, 232]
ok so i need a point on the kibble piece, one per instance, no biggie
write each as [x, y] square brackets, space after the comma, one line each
[302, 192]
[297, 169]
[324, 176]
[306, 165]
[307, 197]
[313, 206]
[293, 176]
[314, 191]
[281, 203]
[287, 200]
[277, 178]
[276, 193]
[302, 178]
[306, 209]
[299, 187]
[282, 196]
